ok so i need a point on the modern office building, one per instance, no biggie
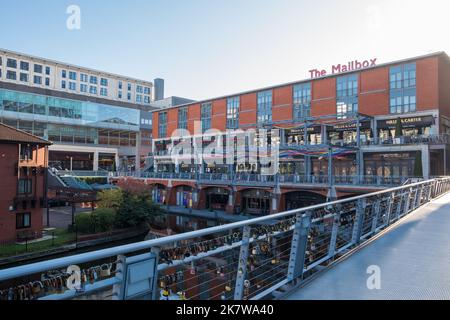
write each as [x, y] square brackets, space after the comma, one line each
[23, 168]
[96, 120]
[386, 122]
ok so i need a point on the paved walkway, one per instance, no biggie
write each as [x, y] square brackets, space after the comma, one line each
[413, 259]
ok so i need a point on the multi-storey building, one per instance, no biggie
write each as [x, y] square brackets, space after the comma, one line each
[379, 123]
[96, 120]
[23, 168]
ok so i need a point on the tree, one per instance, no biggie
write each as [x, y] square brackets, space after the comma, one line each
[418, 170]
[398, 128]
[111, 199]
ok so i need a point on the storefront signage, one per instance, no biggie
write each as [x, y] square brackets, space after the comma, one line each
[407, 122]
[351, 126]
[341, 68]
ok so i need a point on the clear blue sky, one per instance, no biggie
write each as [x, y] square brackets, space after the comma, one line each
[208, 48]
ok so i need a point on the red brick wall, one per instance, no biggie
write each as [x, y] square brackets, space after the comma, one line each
[374, 92]
[248, 110]
[444, 85]
[219, 114]
[323, 97]
[172, 121]
[427, 83]
[282, 103]
[193, 115]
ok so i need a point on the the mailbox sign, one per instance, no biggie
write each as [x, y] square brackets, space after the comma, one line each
[341, 68]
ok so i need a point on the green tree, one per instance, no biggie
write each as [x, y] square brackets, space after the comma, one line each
[418, 170]
[111, 199]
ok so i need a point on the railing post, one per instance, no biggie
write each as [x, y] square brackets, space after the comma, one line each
[407, 202]
[416, 193]
[299, 245]
[419, 198]
[334, 233]
[359, 217]
[119, 289]
[242, 267]
[430, 189]
[376, 215]
[399, 206]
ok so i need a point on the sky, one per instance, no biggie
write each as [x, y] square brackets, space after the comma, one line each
[209, 48]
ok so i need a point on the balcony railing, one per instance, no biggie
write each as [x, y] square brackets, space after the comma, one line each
[247, 260]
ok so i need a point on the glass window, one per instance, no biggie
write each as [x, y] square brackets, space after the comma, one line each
[11, 75]
[233, 112]
[83, 87]
[302, 101]
[38, 80]
[11, 63]
[25, 66]
[146, 99]
[72, 86]
[63, 84]
[25, 186]
[120, 94]
[129, 87]
[347, 96]
[47, 71]
[120, 85]
[38, 68]
[182, 118]
[146, 90]
[23, 220]
[205, 113]
[129, 96]
[83, 77]
[104, 82]
[72, 75]
[162, 125]
[24, 77]
[47, 82]
[103, 92]
[403, 88]
[93, 80]
[92, 90]
[265, 107]
[139, 98]
[63, 74]
[139, 89]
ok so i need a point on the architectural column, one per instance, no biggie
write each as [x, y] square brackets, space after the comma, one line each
[96, 158]
[138, 153]
[426, 162]
[117, 160]
[231, 201]
[275, 200]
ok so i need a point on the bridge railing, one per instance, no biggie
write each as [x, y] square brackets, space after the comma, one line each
[250, 260]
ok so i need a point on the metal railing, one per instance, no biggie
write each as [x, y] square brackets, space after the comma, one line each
[250, 260]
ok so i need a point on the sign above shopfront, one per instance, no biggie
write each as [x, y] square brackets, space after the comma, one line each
[410, 122]
[341, 68]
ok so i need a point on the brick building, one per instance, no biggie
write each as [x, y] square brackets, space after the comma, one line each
[23, 170]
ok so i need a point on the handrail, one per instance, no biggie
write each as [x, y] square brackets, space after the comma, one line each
[120, 250]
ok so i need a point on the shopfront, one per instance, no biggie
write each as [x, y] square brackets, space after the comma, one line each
[64, 160]
[292, 166]
[184, 196]
[346, 133]
[159, 194]
[390, 164]
[106, 161]
[256, 202]
[410, 126]
[297, 137]
[301, 199]
[216, 198]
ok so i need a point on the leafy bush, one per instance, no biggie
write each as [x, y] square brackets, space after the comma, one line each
[105, 218]
[111, 199]
[136, 210]
[85, 222]
[93, 180]
[101, 220]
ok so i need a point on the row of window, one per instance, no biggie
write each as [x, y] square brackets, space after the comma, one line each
[402, 99]
[25, 66]
[24, 77]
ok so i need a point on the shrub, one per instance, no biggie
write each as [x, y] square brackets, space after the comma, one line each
[101, 220]
[105, 217]
[85, 223]
[111, 199]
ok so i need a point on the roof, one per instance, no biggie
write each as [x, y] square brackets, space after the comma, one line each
[10, 134]
[439, 53]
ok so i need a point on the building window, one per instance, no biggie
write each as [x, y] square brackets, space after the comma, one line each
[26, 152]
[403, 88]
[347, 96]
[11, 63]
[302, 101]
[25, 186]
[162, 125]
[72, 86]
[264, 107]
[129, 96]
[63, 84]
[23, 220]
[83, 77]
[139, 89]
[93, 90]
[25, 66]
[47, 82]
[104, 82]
[83, 88]
[103, 92]
[24, 77]
[47, 71]
[120, 94]
[120, 85]
[93, 80]
[38, 80]
[72, 75]
[233, 112]
[129, 87]
[205, 114]
[182, 118]
[146, 99]
[63, 74]
[11, 75]
[139, 98]
[38, 68]
[146, 90]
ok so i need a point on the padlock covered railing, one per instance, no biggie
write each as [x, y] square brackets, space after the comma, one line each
[247, 260]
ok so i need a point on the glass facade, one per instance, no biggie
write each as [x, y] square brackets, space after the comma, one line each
[347, 96]
[206, 111]
[265, 107]
[403, 88]
[182, 118]
[162, 125]
[233, 112]
[72, 121]
[302, 101]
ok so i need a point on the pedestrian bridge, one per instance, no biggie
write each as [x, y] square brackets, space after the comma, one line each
[412, 258]
[319, 252]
